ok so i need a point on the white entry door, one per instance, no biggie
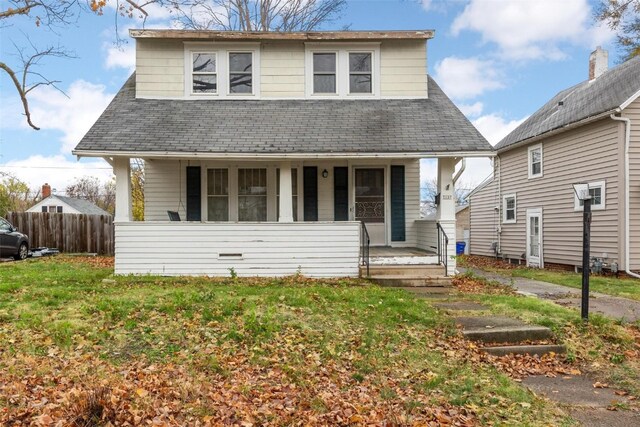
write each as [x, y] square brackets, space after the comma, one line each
[534, 238]
[369, 200]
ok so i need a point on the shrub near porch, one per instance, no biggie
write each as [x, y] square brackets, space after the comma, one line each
[202, 351]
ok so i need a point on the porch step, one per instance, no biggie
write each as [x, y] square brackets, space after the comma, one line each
[403, 270]
[496, 329]
[532, 349]
[439, 281]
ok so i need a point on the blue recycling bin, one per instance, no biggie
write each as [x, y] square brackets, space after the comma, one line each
[460, 248]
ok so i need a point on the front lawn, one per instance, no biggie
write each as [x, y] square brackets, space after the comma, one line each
[610, 285]
[180, 351]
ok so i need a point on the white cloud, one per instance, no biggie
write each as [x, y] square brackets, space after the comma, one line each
[471, 110]
[426, 4]
[121, 57]
[494, 127]
[464, 78]
[56, 170]
[73, 115]
[530, 29]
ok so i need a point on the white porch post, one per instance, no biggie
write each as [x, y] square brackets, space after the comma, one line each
[286, 193]
[122, 171]
[446, 211]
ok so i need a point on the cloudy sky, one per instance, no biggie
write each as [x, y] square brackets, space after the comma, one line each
[499, 60]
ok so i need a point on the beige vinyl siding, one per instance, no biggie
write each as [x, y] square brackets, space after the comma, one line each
[403, 68]
[483, 219]
[282, 69]
[159, 68]
[633, 112]
[587, 154]
[427, 235]
[162, 180]
[316, 249]
[462, 224]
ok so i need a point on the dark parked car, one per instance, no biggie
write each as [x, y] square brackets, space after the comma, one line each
[12, 242]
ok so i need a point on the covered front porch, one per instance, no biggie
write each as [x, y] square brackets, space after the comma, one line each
[276, 217]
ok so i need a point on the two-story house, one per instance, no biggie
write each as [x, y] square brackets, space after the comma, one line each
[588, 133]
[280, 152]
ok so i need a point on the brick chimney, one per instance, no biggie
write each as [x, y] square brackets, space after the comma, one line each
[46, 190]
[598, 63]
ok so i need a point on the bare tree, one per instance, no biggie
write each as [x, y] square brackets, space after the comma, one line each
[259, 15]
[429, 190]
[622, 16]
[90, 188]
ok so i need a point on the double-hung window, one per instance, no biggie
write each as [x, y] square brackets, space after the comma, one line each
[509, 209]
[324, 73]
[204, 73]
[360, 72]
[535, 161]
[218, 195]
[597, 193]
[252, 194]
[240, 72]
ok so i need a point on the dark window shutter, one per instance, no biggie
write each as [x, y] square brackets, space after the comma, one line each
[341, 194]
[310, 184]
[44, 209]
[193, 193]
[397, 204]
[59, 209]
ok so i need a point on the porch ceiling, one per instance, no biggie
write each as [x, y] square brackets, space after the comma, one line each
[276, 128]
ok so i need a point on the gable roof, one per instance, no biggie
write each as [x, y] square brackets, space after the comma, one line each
[174, 127]
[589, 99]
[81, 205]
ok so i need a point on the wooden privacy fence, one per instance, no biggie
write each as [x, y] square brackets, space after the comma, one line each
[72, 233]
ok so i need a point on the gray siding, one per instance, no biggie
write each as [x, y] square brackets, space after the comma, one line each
[483, 220]
[633, 112]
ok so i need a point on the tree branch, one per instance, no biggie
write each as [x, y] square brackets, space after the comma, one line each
[21, 92]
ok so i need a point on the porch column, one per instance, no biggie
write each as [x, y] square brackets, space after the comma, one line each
[286, 193]
[446, 211]
[122, 171]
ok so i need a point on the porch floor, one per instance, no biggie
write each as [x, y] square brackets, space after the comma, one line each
[388, 251]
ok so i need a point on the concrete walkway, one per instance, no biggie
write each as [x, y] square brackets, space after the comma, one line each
[624, 309]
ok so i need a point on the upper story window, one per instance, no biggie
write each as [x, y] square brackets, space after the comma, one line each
[535, 161]
[509, 209]
[343, 70]
[222, 70]
[597, 193]
[204, 76]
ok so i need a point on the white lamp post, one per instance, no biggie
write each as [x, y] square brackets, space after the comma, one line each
[582, 192]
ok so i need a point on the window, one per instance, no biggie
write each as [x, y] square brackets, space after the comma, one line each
[324, 72]
[204, 77]
[217, 195]
[294, 191]
[240, 72]
[252, 194]
[360, 72]
[4, 225]
[597, 192]
[52, 209]
[509, 209]
[535, 161]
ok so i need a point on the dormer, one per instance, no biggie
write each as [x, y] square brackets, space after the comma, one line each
[304, 65]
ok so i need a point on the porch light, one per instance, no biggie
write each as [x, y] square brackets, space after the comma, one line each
[582, 193]
[325, 173]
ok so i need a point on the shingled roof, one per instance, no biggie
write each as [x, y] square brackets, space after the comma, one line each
[589, 99]
[263, 127]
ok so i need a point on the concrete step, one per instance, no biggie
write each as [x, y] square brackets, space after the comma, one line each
[439, 281]
[497, 329]
[533, 349]
[421, 270]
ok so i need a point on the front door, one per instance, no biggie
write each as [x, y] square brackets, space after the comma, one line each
[369, 199]
[534, 238]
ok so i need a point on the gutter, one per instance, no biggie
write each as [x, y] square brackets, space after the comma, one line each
[627, 219]
[463, 166]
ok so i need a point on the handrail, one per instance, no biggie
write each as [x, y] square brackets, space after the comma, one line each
[365, 242]
[443, 243]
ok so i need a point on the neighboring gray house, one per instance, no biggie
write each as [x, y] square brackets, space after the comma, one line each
[590, 133]
[62, 204]
[280, 151]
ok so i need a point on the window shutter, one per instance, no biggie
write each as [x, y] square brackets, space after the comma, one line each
[310, 183]
[397, 204]
[193, 193]
[341, 194]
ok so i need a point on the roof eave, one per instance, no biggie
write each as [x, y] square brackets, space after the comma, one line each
[277, 35]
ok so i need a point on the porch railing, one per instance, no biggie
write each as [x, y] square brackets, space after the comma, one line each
[365, 242]
[443, 243]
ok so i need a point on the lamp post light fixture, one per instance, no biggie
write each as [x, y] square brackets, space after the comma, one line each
[582, 192]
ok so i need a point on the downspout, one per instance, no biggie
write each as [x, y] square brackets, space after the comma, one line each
[627, 141]
[463, 165]
[499, 205]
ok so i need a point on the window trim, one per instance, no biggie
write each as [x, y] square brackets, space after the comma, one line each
[342, 51]
[336, 74]
[191, 73]
[504, 209]
[603, 193]
[359, 73]
[530, 163]
[222, 51]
